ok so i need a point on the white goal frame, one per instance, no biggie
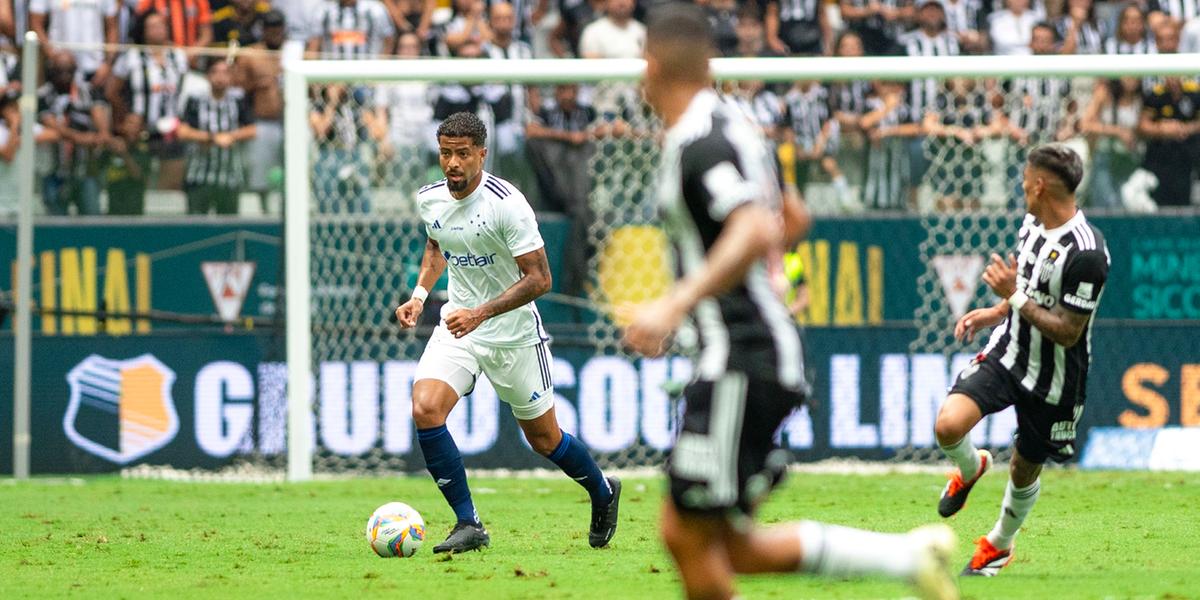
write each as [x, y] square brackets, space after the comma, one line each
[299, 73]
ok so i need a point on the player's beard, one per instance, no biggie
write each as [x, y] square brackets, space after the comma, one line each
[457, 186]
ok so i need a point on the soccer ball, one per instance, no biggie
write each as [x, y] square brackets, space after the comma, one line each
[395, 529]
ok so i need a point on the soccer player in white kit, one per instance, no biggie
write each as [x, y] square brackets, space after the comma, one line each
[483, 229]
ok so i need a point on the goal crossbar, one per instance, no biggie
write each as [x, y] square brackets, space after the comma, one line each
[767, 69]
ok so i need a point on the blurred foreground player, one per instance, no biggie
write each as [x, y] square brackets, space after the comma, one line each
[719, 200]
[1037, 359]
[482, 227]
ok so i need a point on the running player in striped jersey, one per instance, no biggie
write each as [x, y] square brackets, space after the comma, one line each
[718, 195]
[481, 229]
[1038, 354]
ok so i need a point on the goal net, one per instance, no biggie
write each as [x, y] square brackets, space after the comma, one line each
[361, 143]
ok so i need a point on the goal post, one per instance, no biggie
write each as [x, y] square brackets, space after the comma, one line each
[359, 247]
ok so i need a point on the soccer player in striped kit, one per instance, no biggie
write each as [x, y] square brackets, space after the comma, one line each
[1038, 354]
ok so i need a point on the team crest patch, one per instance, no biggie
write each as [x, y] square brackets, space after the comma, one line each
[121, 410]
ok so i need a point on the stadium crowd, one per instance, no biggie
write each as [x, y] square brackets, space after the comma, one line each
[135, 97]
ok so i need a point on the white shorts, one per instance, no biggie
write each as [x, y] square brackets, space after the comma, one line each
[521, 376]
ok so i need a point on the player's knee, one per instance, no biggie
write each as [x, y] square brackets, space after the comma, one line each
[427, 412]
[947, 430]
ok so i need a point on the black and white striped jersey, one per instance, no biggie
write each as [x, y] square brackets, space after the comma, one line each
[1092, 35]
[806, 112]
[356, 31]
[922, 94]
[152, 87]
[798, 11]
[1115, 45]
[1038, 104]
[715, 160]
[210, 164]
[1066, 266]
[965, 15]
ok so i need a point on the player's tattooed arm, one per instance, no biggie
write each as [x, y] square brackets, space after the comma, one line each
[535, 280]
[1062, 326]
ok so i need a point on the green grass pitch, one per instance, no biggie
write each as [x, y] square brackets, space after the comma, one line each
[1092, 535]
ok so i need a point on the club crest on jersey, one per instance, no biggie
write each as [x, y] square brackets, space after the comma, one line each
[1047, 268]
[121, 410]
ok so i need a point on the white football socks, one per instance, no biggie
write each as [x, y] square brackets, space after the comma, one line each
[965, 455]
[1017, 504]
[837, 551]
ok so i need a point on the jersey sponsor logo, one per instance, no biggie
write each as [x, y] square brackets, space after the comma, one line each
[1042, 298]
[1078, 302]
[121, 410]
[470, 260]
[436, 224]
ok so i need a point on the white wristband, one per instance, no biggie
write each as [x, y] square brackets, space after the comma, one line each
[420, 293]
[1017, 300]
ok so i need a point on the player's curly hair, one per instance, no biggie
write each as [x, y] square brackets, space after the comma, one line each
[464, 124]
[1060, 160]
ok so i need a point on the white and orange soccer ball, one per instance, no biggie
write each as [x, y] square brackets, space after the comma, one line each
[395, 530]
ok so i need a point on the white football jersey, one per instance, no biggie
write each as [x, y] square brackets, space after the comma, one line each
[479, 236]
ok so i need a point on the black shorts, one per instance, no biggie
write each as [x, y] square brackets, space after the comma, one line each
[1044, 431]
[725, 459]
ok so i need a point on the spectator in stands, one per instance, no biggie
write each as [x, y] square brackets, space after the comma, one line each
[189, 21]
[848, 102]
[878, 24]
[1190, 37]
[574, 16]
[10, 142]
[888, 125]
[723, 14]
[560, 148]
[751, 41]
[146, 82]
[469, 25]
[217, 125]
[798, 27]
[1171, 128]
[930, 38]
[1132, 34]
[813, 137]
[405, 111]
[92, 23]
[615, 35]
[351, 29]
[507, 138]
[966, 20]
[127, 166]
[1011, 29]
[412, 16]
[1111, 121]
[341, 128]
[1081, 32]
[259, 74]
[70, 105]
[954, 130]
[240, 21]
